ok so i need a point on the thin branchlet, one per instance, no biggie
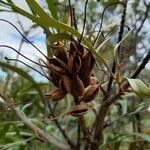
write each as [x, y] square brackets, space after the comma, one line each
[71, 15]
[24, 37]
[101, 23]
[122, 24]
[85, 9]
[9, 59]
[6, 46]
[40, 60]
[74, 19]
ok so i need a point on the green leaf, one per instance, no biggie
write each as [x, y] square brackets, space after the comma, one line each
[30, 87]
[123, 39]
[47, 21]
[52, 7]
[59, 37]
[139, 87]
[102, 44]
[23, 74]
[35, 7]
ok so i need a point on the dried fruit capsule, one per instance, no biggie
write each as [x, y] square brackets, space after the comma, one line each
[65, 84]
[55, 95]
[78, 110]
[77, 87]
[90, 93]
[87, 65]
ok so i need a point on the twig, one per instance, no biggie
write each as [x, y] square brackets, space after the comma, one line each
[42, 134]
[100, 28]
[144, 19]
[60, 128]
[25, 37]
[142, 65]
[71, 15]
[84, 21]
[122, 24]
[74, 19]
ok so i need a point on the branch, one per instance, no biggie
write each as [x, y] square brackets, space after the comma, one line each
[99, 126]
[42, 134]
[142, 65]
[100, 119]
[144, 19]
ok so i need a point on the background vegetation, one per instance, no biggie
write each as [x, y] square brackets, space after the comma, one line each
[117, 34]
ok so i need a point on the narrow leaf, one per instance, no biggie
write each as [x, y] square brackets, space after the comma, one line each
[47, 21]
[23, 74]
[102, 44]
[52, 7]
[59, 37]
[35, 7]
[123, 39]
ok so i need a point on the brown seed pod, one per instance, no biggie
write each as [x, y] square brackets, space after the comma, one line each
[73, 49]
[65, 84]
[57, 66]
[87, 64]
[90, 93]
[80, 48]
[76, 64]
[70, 63]
[55, 95]
[89, 81]
[76, 48]
[60, 52]
[86, 81]
[78, 110]
[54, 78]
[77, 87]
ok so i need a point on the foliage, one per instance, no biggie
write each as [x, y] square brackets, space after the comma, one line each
[31, 113]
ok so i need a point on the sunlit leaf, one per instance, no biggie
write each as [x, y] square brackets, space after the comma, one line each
[139, 87]
[52, 7]
[59, 37]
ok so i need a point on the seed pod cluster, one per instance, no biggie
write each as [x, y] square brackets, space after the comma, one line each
[72, 72]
